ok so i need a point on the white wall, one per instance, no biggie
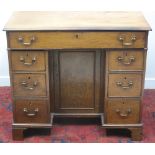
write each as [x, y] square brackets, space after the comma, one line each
[146, 6]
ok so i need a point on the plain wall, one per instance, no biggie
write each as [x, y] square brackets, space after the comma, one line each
[7, 7]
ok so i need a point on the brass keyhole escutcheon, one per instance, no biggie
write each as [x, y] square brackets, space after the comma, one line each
[77, 36]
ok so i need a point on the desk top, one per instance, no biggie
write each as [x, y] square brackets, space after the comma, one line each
[46, 21]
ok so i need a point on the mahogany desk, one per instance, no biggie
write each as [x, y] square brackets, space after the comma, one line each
[86, 64]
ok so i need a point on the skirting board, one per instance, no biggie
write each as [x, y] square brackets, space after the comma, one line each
[149, 82]
[4, 81]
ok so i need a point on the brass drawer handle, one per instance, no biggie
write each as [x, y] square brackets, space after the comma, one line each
[123, 113]
[31, 113]
[21, 40]
[124, 85]
[22, 59]
[132, 39]
[123, 60]
[27, 87]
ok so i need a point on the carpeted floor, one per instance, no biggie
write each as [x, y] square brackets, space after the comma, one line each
[76, 130]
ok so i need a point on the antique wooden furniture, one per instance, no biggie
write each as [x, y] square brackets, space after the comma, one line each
[77, 64]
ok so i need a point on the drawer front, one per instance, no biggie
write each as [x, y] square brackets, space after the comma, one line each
[124, 85]
[41, 40]
[123, 111]
[27, 60]
[126, 60]
[35, 111]
[27, 85]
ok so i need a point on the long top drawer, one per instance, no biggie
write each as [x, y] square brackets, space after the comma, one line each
[76, 39]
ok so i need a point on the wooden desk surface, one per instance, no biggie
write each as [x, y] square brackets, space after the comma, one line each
[44, 21]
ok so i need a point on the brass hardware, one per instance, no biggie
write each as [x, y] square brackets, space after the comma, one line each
[21, 40]
[31, 113]
[27, 87]
[22, 59]
[123, 60]
[132, 39]
[77, 36]
[124, 84]
[123, 113]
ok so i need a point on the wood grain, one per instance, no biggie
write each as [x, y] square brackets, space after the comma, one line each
[40, 90]
[42, 116]
[28, 56]
[56, 40]
[123, 105]
[77, 81]
[37, 20]
[126, 64]
[118, 91]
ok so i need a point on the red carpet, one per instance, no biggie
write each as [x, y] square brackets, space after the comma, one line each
[70, 130]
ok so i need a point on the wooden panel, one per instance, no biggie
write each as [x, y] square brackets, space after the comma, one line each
[123, 111]
[85, 20]
[41, 40]
[77, 81]
[28, 60]
[126, 60]
[29, 85]
[125, 84]
[31, 111]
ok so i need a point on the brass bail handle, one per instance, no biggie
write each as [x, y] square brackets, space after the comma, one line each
[31, 113]
[27, 86]
[132, 40]
[21, 40]
[123, 61]
[123, 113]
[22, 59]
[124, 85]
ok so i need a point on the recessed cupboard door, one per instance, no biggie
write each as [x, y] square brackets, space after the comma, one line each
[77, 81]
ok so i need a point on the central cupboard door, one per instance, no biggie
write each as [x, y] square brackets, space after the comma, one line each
[76, 80]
